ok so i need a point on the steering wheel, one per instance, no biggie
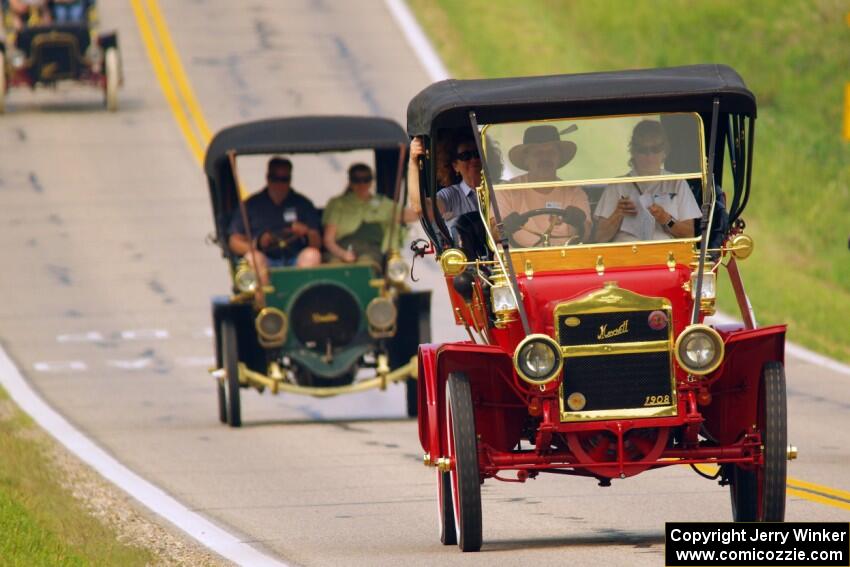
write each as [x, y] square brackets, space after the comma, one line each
[276, 242]
[572, 216]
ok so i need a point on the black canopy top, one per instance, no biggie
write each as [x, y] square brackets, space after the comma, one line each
[303, 134]
[688, 88]
[298, 135]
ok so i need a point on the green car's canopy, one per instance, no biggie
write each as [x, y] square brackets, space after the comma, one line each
[692, 88]
[299, 135]
[303, 134]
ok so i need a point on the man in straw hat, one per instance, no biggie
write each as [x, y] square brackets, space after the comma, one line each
[541, 154]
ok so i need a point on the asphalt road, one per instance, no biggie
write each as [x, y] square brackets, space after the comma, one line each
[107, 281]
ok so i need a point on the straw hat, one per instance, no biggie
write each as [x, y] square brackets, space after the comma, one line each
[542, 134]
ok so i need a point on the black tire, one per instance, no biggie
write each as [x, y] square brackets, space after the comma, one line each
[411, 391]
[769, 481]
[230, 359]
[414, 328]
[448, 533]
[463, 452]
[742, 489]
[222, 400]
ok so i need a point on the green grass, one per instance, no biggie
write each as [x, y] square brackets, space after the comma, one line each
[792, 53]
[40, 521]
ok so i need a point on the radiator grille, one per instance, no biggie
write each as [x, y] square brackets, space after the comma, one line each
[621, 381]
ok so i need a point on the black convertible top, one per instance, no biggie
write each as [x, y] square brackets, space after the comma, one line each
[299, 135]
[688, 88]
[303, 134]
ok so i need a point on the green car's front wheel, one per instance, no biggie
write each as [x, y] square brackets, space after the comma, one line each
[222, 399]
[230, 359]
[411, 393]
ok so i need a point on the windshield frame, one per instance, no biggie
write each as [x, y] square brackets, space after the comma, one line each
[484, 192]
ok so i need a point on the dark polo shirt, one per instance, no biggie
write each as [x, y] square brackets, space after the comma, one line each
[264, 215]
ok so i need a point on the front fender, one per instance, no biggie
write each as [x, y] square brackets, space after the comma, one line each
[242, 315]
[735, 392]
[490, 373]
[427, 389]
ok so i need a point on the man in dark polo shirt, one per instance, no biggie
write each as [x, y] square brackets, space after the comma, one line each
[284, 224]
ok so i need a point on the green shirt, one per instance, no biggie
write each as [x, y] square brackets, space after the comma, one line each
[347, 212]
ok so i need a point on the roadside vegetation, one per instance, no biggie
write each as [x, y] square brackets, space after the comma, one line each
[792, 53]
[40, 521]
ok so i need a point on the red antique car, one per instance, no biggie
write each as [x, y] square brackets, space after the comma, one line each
[583, 277]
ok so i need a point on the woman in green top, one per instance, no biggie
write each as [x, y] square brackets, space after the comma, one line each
[357, 223]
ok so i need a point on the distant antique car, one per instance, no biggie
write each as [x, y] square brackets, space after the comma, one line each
[44, 55]
[313, 331]
[592, 358]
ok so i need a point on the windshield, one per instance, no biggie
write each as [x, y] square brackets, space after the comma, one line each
[597, 180]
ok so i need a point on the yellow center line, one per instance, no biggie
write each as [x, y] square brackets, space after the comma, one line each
[179, 73]
[196, 146]
[825, 490]
[818, 498]
[803, 489]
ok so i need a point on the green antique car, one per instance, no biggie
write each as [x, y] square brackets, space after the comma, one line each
[323, 330]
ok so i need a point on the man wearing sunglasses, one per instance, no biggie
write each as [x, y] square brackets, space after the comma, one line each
[646, 210]
[283, 223]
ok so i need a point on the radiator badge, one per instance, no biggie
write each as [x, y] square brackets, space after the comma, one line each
[657, 320]
[572, 321]
[328, 317]
[604, 333]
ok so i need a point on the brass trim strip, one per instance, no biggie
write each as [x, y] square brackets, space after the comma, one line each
[615, 348]
[596, 181]
[613, 254]
[655, 411]
[257, 379]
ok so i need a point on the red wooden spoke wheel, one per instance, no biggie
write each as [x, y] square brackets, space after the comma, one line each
[759, 495]
[463, 455]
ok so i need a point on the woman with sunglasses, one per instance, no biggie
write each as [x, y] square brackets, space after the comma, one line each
[646, 210]
[356, 223]
[458, 172]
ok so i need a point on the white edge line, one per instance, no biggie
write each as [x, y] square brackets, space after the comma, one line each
[418, 40]
[437, 71]
[158, 501]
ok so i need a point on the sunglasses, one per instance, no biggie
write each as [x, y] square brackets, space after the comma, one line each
[656, 149]
[279, 178]
[468, 155]
[362, 179]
